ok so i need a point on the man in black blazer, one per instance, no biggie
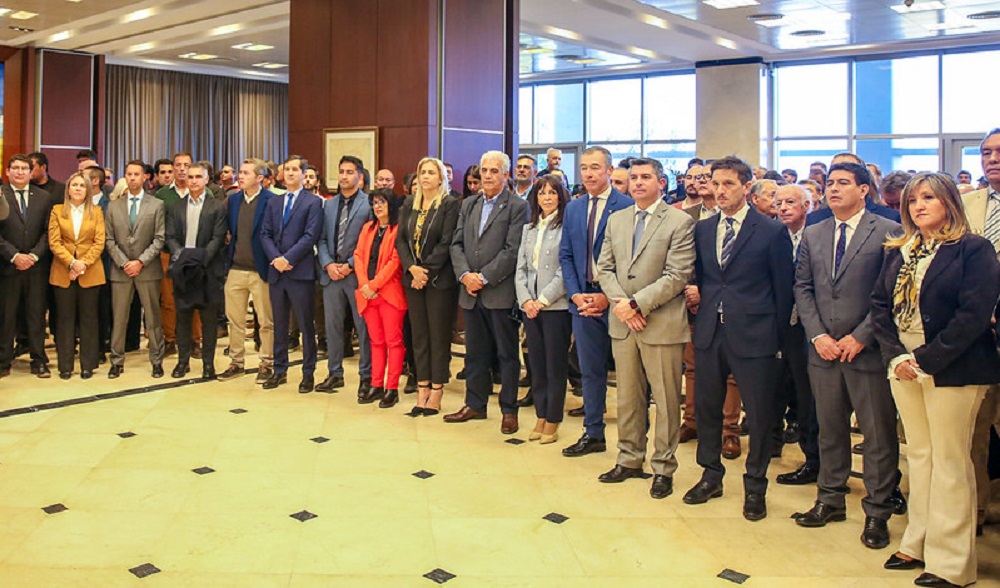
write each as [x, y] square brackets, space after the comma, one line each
[744, 278]
[24, 265]
[197, 221]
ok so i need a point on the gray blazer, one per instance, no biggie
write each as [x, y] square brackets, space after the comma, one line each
[494, 253]
[841, 305]
[361, 212]
[143, 242]
[547, 280]
[654, 277]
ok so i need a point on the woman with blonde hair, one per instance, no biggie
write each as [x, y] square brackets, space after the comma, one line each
[76, 239]
[932, 309]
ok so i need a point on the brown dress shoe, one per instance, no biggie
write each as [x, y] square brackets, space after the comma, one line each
[509, 424]
[465, 414]
[731, 447]
[687, 434]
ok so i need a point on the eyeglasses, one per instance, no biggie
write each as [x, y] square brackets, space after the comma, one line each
[698, 178]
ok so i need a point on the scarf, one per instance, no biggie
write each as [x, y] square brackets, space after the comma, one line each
[905, 296]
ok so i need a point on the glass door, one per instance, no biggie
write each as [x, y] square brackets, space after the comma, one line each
[962, 154]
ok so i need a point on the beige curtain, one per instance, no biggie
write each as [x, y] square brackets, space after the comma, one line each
[152, 114]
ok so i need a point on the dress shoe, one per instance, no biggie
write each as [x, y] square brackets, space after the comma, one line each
[858, 449]
[926, 579]
[464, 414]
[534, 435]
[102, 359]
[411, 384]
[331, 383]
[65, 375]
[898, 563]
[460, 375]
[157, 371]
[87, 374]
[364, 389]
[306, 385]
[584, 445]
[776, 447]
[496, 379]
[508, 426]
[293, 343]
[754, 506]
[792, 433]
[180, 371]
[744, 427]
[115, 371]
[662, 487]
[370, 394]
[524, 382]
[208, 373]
[576, 390]
[731, 447]
[806, 474]
[898, 502]
[169, 348]
[274, 381]
[233, 371]
[687, 434]
[42, 371]
[428, 411]
[546, 439]
[389, 399]
[820, 514]
[263, 373]
[528, 400]
[876, 533]
[619, 474]
[458, 338]
[702, 492]
[196, 351]
[576, 412]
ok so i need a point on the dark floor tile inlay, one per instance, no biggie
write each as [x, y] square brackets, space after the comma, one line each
[146, 569]
[238, 410]
[423, 474]
[556, 518]
[303, 515]
[733, 576]
[126, 434]
[319, 439]
[439, 576]
[203, 470]
[54, 508]
[514, 441]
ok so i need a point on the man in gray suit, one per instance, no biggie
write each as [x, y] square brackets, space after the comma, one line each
[484, 255]
[136, 229]
[645, 263]
[838, 262]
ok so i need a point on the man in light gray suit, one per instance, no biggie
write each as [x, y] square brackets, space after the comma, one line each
[645, 263]
[839, 260]
[136, 228]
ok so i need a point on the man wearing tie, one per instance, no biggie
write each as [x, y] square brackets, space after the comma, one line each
[744, 278]
[291, 229]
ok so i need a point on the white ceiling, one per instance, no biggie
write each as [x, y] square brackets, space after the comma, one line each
[623, 34]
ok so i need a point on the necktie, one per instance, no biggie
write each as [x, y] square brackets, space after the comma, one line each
[288, 209]
[640, 225]
[341, 226]
[841, 248]
[992, 228]
[24, 203]
[727, 242]
[133, 210]
[591, 221]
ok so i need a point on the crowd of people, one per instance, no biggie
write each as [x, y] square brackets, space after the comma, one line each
[796, 303]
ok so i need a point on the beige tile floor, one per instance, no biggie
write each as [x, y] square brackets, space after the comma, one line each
[135, 500]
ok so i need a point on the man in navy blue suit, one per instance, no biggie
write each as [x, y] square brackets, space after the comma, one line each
[744, 276]
[292, 226]
[584, 221]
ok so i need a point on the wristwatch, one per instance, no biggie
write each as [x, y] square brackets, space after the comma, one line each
[633, 304]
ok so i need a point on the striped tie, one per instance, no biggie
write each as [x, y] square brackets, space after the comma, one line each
[727, 242]
[992, 229]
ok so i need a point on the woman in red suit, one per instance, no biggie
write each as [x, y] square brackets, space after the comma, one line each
[380, 295]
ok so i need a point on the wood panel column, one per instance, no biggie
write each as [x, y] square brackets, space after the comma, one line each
[436, 77]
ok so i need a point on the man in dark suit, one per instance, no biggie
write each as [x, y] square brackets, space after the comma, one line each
[197, 222]
[744, 278]
[24, 265]
[871, 205]
[484, 255]
[292, 226]
[584, 222]
[41, 178]
[839, 262]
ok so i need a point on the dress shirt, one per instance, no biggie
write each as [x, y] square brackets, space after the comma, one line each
[706, 212]
[852, 225]
[522, 195]
[193, 218]
[488, 204]
[720, 233]
[601, 203]
[248, 197]
[182, 192]
[76, 214]
[796, 241]
[650, 209]
[27, 202]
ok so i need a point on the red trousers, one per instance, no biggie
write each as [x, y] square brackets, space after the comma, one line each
[385, 333]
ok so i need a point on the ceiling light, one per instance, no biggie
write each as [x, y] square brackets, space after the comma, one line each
[226, 30]
[765, 16]
[23, 15]
[60, 36]
[808, 33]
[563, 33]
[269, 65]
[642, 52]
[582, 60]
[984, 15]
[253, 47]
[655, 21]
[197, 56]
[139, 15]
[724, 4]
[141, 47]
[724, 42]
[918, 7]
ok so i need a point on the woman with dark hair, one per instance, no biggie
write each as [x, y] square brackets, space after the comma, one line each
[380, 296]
[409, 183]
[541, 295]
[932, 309]
[426, 224]
[76, 239]
[472, 182]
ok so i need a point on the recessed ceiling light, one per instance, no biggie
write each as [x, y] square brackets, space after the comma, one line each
[563, 33]
[21, 29]
[141, 47]
[642, 52]
[23, 15]
[724, 42]
[984, 15]
[60, 36]
[253, 47]
[918, 7]
[655, 21]
[269, 65]
[197, 56]
[724, 4]
[808, 33]
[765, 16]
[139, 15]
[226, 29]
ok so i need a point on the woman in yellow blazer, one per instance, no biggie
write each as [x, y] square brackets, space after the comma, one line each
[76, 238]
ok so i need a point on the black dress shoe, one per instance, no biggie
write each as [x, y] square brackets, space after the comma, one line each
[898, 502]
[876, 533]
[389, 399]
[619, 473]
[87, 374]
[754, 506]
[367, 395]
[702, 492]
[41, 370]
[806, 474]
[330, 384]
[158, 370]
[792, 433]
[926, 579]
[897, 563]
[364, 388]
[576, 412]
[180, 370]
[460, 375]
[274, 381]
[576, 390]
[528, 400]
[115, 371]
[820, 514]
[65, 375]
[662, 487]
[208, 373]
[102, 359]
[524, 382]
[584, 445]
[306, 385]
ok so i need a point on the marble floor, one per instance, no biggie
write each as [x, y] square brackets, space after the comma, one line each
[197, 483]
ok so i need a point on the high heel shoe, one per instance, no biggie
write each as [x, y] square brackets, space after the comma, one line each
[430, 411]
[416, 411]
[546, 439]
[535, 435]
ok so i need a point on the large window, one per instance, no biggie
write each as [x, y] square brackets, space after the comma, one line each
[969, 80]
[558, 113]
[614, 112]
[811, 100]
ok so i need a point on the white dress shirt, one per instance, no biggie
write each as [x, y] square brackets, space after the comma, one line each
[602, 202]
[76, 214]
[852, 226]
[720, 232]
[193, 218]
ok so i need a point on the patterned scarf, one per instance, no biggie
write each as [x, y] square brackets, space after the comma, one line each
[905, 295]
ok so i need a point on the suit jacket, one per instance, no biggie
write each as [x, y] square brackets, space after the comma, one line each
[361, 213]
[260, 260]
[695, 211]
[295, 239]
[388, 272]
[976, 204]
[435, 242]
[25, 233]
[818, 216]
[545, 281]
[755, 287]
[211, 235]
[841, 305]
[494, 253]
[88, 247]
[654, 275]
[573, 249]
[958, 296]
[144, 242]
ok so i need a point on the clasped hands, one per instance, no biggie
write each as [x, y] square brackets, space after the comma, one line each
[419, 277]
[591, 304]
[473, 283]
[846, 349]
[76, 269]
[336, 271]
[23, 261]
[628, 315]
[132, 268]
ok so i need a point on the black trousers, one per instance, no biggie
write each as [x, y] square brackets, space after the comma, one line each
[573, 373]
[209, 333]
[24, 293]
[548, 337]
[77, 304]
[432, 313]
[490, 333]
[794, 387]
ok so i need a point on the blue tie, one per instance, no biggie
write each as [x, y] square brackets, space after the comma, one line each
[841, 248]
[727, 241]
[288, 209]
[640, 225]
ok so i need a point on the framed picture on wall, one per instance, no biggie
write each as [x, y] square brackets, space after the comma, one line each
[360, 142]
